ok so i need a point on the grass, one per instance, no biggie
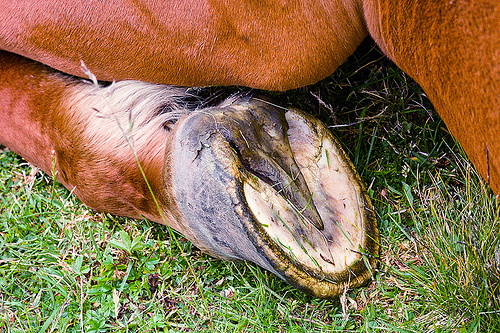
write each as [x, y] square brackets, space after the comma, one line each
[65, 268]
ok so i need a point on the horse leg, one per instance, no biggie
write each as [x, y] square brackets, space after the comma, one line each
[243, 180]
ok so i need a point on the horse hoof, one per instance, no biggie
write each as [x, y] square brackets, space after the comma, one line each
[256, 182]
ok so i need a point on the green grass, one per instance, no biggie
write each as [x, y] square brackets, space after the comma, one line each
[65, 268]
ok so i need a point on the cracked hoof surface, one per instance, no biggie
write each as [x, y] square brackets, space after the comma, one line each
[259, 183]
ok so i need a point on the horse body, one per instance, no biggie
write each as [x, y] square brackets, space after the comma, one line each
[452, 49]
[274, 45]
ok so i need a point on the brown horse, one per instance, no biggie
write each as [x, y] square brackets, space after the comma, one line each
[245, 179]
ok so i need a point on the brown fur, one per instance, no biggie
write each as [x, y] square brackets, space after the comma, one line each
[452, 49]
[271, 45]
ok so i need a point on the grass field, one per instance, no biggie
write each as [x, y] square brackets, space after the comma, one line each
[65, 268]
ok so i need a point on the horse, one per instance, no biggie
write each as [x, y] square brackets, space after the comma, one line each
[245, 179]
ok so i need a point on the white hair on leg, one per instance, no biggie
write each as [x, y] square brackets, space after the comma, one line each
[125, 113]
